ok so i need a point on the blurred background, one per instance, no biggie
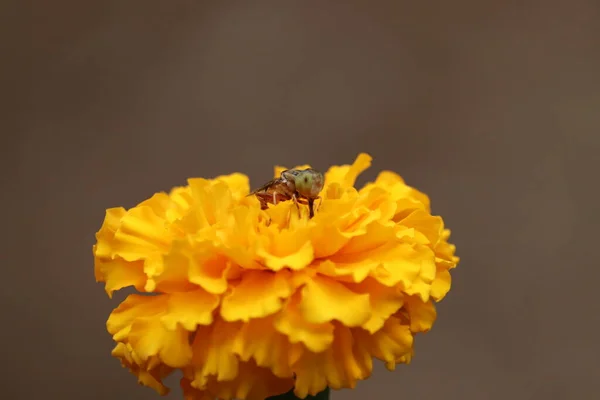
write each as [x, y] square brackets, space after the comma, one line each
[491, 108]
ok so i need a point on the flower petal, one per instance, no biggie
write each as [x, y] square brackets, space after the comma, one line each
[133, 307]
[106, 235]
[213, 200]
[346, 175]
[239, 184]
[340, 366]
[141, 235]
[385, 301]
[189, 309]
[325, 300]
[290, 322]
[119, 274]
[258, 294]
[286, 249]
[251, 383]
[422, 314]
[441, 285]
[205, 266]
[149, 337]
[212, 353]
[191, 393]
[258, 340]
[150, 376]
[391, 344]
[430, 226]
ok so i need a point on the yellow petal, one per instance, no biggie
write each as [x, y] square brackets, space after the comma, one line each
[142, 234]
[353, 272]
[150, 376]
[325, 300]
[290, 322]
[149, 337]
[252, 383]
[239, 184]
[431, 227]
[190, 309]
[328, 234]
[384, 301]
[391, 264]
[158, 203]
[191, 393]
[422, 314]
[441, 285]
[206, 268]
[391, 344]
[213, 353]
[119, 274]
[180, 204]
[401, 191]
[106, 235]
[258, 340]
[133, 307]
[346, 175]
[287, 248]
[172, 272]
[340, 366]
[258, 294]
[212, 200]
[372, 237]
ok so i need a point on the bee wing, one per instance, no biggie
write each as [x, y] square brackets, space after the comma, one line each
[264, 187]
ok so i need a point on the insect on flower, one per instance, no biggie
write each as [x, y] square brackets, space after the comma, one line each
[300, 185]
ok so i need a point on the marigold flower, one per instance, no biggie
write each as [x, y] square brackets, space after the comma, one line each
[250, 303]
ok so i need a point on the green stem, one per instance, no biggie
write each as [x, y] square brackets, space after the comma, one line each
[324, 395]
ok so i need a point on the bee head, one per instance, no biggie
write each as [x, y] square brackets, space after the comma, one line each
[309, 183]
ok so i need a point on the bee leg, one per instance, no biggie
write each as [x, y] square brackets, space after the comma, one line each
[320, 202]
[311, 212]
[295, 199]
[274, 198]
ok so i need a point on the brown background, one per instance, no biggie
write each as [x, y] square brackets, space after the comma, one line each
[493, 110]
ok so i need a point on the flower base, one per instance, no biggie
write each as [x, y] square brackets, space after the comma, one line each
[324, 395]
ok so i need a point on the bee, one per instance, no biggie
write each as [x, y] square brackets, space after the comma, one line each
[300, 185]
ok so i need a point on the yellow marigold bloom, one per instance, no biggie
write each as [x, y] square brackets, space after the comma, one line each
[249, 303]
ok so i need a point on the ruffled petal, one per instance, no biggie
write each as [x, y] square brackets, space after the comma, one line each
[148, 374]
[384, 302]
[119, 274]
[344, 305]
[189, 309]
[191, 393]
[212, 353]
[340, 366]
[251, 383]
[346, 175]
[149, 337]
[391, 344]
[200, 264]
[441, 284]
[257, 294]
[258, 340]
[238, 184]
[285, 249]
[422, 314]
[141, 235]
[133, 307]
[106, 235]
[315, 336]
